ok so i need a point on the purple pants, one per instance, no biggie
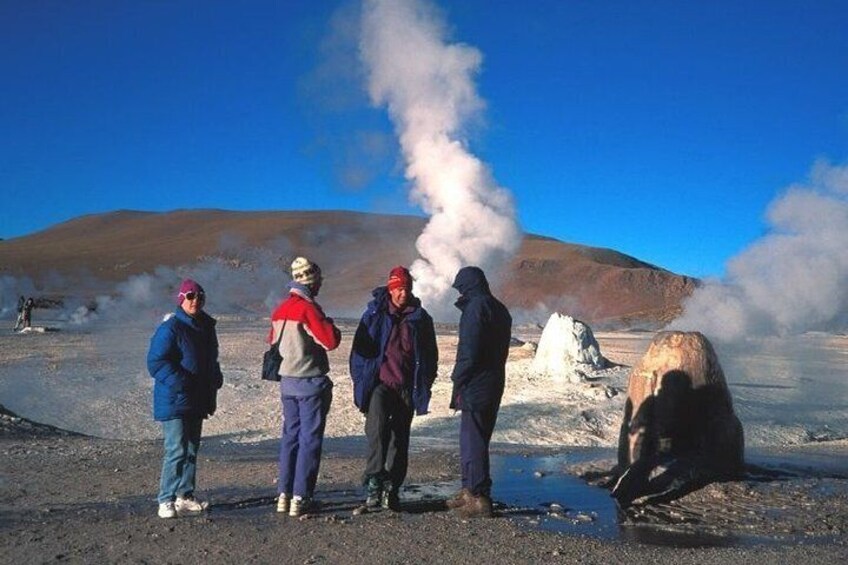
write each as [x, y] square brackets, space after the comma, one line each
[475, 432]
[304, 418]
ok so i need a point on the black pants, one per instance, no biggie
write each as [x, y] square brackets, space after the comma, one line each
[387, 427]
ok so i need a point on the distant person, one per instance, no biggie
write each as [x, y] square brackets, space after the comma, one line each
[478, 384]
[183, 361]
[27, 312]
[393, 364]
[19, 321]
[306, 390]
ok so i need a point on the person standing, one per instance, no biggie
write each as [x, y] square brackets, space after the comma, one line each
[27, 312]
[478, 383]
[306, 391]
[393, 364]
[183, 361]
[19, 322]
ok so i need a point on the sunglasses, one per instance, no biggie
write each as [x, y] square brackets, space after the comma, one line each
[193, 295]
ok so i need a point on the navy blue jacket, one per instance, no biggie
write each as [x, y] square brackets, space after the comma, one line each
[183, 360]
[484, 333]
[369, 346]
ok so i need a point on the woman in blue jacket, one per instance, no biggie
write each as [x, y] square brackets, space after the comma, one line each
[183, 361]
[393, 364]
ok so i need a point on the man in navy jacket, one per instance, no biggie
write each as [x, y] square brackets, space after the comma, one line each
[393, 365]
[478, 384]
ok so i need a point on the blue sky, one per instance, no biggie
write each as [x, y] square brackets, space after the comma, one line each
[660, 129]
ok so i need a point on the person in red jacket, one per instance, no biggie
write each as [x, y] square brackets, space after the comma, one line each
[305, 336]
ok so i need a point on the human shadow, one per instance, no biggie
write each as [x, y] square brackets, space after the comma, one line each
[680, 439]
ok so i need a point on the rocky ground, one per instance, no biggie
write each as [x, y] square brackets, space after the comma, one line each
[72, 498]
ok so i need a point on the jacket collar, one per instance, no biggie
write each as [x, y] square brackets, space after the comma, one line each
[199, 321]
[301, 290]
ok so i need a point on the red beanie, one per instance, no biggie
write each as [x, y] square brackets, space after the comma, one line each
[399, 277]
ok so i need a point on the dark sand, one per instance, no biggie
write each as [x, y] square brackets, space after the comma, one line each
[72, 498]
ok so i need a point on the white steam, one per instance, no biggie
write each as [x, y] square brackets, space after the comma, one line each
[428, 87]
[10, 289]
[239, 280]
[792, 280]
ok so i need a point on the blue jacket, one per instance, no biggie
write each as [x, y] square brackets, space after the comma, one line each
[369, 345]
[485, 326]
[183, 360]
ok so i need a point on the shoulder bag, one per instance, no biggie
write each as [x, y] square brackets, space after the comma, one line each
[272, 359]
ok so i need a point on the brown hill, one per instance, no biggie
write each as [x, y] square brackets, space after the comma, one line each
[600, 286]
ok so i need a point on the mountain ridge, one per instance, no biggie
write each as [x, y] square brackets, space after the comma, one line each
[599, 285]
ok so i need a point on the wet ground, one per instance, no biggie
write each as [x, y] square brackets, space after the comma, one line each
[71, 498]
[557, 492]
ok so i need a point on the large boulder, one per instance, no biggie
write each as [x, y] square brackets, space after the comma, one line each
[678, 417]
[567, 348]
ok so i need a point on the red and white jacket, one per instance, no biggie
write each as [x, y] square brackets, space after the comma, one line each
[307, 336]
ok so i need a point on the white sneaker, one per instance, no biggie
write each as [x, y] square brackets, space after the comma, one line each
[167, 510]
[300, 506]
[189, 505]
[283, 503]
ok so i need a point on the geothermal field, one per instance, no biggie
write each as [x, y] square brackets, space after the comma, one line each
[92, 379]
[557, 433]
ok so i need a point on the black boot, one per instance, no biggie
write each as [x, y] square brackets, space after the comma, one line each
[374, 490]
[391, 500]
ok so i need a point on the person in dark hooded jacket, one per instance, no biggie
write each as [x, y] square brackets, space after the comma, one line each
[393, 364]
[183, 361]
[478, 383]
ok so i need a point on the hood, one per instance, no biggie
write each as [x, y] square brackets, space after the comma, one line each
[471, 279]
[300, 289]
[381, 299]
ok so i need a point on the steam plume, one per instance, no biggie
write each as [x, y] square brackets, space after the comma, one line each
[792, 280]
[427, 85]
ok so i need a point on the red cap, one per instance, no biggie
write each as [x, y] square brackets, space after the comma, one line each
[399, 277]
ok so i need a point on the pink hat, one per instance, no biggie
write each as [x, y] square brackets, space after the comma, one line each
[187, 286]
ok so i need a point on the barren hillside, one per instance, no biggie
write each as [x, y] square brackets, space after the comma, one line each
[599, 285]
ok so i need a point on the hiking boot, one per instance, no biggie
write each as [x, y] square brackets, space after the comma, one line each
[189, 505]
[459, 499]
[300, 505]
[283, 503]
[390, 499]
[477, 506]
[167, 510]
[374, 488]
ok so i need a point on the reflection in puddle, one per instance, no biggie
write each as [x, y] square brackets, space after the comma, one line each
[536, 490]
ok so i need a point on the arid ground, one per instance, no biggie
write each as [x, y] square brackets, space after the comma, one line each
[88, 496]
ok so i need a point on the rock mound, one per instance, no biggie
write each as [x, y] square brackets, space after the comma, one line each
[567, 348]
[678, 418]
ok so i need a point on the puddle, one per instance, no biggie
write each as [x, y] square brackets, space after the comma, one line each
[538, 493]
[533, 491]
